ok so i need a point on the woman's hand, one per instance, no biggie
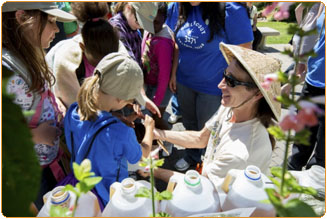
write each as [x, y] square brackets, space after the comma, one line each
[45, 133]
[152, 107]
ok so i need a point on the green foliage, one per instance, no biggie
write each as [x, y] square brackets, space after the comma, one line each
[149, 193]
[163, 214]
[302, 137]
[58, 211]
[86, 183]
[285, 182]
[292, 207]
[144, 192]
[21, 171]
[277, 132]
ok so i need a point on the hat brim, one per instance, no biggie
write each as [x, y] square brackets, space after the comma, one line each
[140, 99]
[145, 23]
[61, 15]
[231, 51]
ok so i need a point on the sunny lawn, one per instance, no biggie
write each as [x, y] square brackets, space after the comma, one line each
[283, 38]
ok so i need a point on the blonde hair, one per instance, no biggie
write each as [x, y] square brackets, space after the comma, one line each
[87, 98]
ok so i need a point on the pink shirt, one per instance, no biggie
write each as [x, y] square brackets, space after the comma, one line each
[157, 58]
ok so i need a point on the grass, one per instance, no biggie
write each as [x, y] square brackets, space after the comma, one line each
[283, 38]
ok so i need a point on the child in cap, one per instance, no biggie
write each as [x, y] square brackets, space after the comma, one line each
[27, 29]
[93, 132]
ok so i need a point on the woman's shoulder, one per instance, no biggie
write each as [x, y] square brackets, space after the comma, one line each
[235, 6]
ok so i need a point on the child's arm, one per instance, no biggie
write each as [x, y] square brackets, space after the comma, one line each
[146, 143]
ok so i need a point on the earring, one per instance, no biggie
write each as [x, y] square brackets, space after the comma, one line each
[207, 22]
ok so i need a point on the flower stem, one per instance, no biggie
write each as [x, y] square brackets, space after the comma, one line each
[75, 205]
[152, 188]
[285, 162]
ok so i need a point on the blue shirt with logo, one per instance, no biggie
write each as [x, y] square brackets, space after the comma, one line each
[201, 64]
[316, 65]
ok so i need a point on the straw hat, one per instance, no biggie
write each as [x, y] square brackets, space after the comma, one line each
[258, 65]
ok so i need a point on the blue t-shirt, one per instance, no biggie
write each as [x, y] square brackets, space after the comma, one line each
[201, 64]
[113, 146]
[316, 65]
[172, 15]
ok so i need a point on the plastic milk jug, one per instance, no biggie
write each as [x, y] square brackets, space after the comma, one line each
[88, 205]
[247, 190]
[193, 194]
[123, 202]
[313, 177]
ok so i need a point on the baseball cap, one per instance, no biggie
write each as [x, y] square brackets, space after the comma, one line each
[121, 77]
[47, 7]
[146, 12]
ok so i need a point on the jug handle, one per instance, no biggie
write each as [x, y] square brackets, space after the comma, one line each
[226, 182]
[113, 189]
[171, 184]
[230, 177]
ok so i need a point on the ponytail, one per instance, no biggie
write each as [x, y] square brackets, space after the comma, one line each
[87, 98]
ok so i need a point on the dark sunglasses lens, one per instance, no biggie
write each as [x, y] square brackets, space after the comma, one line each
[229, 81]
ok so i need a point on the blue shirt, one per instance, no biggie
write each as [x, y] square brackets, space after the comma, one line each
[201, 64]
[172, 15]
[113, 147]
[316, 65]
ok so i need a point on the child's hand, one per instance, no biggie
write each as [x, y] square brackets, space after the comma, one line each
[45, 133]
[149, 122]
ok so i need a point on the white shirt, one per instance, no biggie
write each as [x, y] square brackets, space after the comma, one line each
[235, 146]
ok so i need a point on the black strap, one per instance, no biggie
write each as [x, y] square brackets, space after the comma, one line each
[93, 138]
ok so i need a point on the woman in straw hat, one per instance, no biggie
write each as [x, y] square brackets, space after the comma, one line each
[28, 28]
[236, 136]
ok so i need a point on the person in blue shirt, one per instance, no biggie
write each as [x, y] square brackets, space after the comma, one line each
[93, 132]
[171, 21]
[200, 29]
[314, 85]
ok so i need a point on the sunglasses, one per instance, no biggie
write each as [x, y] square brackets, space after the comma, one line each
[232, 82]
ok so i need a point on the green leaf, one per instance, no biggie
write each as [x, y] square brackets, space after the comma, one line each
[143, 164]
[84, 188]
[166, 195]
[58, 211]
[92, 181]
[277, 132]
[302, 137]
[159, 163]
[275, 181]
[143, 192]
[157, 196]
[21, 171]
[276, 171]
[163, 214]
[297, 208]
[273, 198]
[78, 172]
[71, 188]
[282, 77]
[285, 99]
